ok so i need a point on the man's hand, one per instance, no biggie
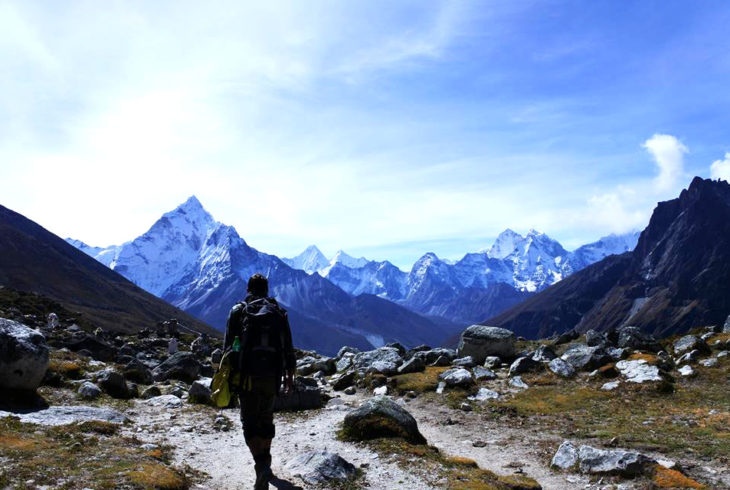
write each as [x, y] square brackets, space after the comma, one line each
[289, 382]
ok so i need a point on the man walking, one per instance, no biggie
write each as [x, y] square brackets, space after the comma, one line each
[259, 335]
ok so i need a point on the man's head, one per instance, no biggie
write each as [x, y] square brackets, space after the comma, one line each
[258, 285]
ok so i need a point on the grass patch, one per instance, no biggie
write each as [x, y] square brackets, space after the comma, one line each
[375, 427]
[694, 419]
[422, 382]
[452, 472]
[81, 453]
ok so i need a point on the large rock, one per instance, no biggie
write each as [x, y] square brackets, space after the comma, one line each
[321, 468]
[381, 417]
[413, 365]
[638, 371]
[200, 391]
[480, 341]
[523, 365]
[583, 357]
[565, 457]
[182, 366]
[457, 377]
[615, 462]
[23, 356]
[595, 339]
[62, 415]
[306, 396]
[344, 380]
[689, 343]
[89, 391]
[100, 350]
[544, 353]
[561, 368]
[726, 327]
[137, 371]
[432, 355]
[482, 373]
[384, 360]
[113, 383]
[633, 338]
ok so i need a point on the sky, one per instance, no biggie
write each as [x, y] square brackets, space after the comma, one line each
[387, 129]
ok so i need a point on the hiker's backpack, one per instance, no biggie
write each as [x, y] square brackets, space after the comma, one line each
[263, 323]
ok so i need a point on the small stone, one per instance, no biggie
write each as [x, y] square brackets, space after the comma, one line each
[350, 390]
[465, 407]
[711, 362]
[484, 394]
[381, 390]
[518, 383]
[610, 386]
[479, 444]
[492, 362]
[481, 373]
[561, 368]
[566, 456]
[89, 391]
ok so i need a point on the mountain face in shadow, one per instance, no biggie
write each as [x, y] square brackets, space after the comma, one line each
[678, 277]
[35, 260]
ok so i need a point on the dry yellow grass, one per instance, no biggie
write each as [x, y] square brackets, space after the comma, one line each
[419, 382]
[153, 475]
[666, 478]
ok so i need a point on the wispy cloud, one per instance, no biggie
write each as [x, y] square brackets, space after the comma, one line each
[668, 154]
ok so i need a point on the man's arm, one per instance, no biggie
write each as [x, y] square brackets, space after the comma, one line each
[232, 326]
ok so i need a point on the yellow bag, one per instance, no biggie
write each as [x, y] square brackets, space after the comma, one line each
[220, 386]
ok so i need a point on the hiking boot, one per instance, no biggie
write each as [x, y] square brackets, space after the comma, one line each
[263, 477]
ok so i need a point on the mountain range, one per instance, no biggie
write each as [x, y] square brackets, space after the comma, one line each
[479, 285]
[675, 279]
[202, 266]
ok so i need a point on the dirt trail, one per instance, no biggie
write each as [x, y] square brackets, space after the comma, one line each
[225, 458]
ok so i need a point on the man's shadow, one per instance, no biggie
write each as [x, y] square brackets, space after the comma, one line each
[283, 484]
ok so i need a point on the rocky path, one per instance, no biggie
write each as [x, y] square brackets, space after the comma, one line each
[223, 456]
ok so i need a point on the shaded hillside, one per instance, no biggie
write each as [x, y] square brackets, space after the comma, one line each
[35, 260]
[678, 276]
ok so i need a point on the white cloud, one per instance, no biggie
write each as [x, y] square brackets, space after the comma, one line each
[668, 153]
[720, 169]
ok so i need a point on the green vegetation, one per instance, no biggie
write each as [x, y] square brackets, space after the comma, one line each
[72, 455]
[423, 382]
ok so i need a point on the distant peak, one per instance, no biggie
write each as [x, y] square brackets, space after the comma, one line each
[534, 232]
[191, 203]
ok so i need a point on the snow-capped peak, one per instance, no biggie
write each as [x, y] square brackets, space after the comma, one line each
[348, 261]
[310, 260]
[506, 243]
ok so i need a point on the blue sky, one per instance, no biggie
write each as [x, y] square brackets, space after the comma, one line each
[387, 129]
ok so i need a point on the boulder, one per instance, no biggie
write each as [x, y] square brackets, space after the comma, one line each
[614, 462]
[481, 373]
[23, 356]
[633, 338]
[306, 396]
[544, 353]
[384, 360]
[561, 368]
[345, 362]
[566, 456]
[595, 339]
[523, 365]
[517, 382]
[63, 415]
[432, 355]
[341, 381]
[480, 341]
[618, 353]
[413, 365]
[726, 327]
[137, 371]
[689, 343]
[381, 417]
[686, 371]
[200, 391]
[690, 357]
[113, 383]
[566, 337]
[583, 357]
[483, 395]
[89, 391]
[319, 468]
[181, 366]
[151, 392]
[398, 346]
[465, 362]
[638, 371]
[99, 349]
[457, 377]
[347, 350]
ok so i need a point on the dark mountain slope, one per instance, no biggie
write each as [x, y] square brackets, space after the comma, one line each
[678, 276]
[35, 260]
